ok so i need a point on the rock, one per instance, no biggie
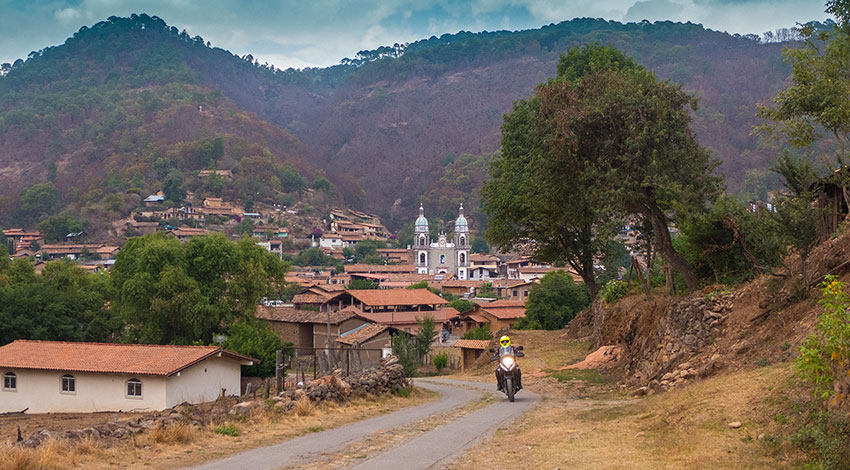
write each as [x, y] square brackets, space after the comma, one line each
[668, 377]
[735, 424]
[640, 392]
[640, 434]
[761, 436]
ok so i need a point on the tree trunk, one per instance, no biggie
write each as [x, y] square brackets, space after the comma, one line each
[664, 244]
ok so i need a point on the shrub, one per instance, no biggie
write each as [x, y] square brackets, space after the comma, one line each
[441, 361]
[228, 429]
[824, 439]
[481, 332]
[405, 349]
[826, 352]
[614, 290]
[554, 302]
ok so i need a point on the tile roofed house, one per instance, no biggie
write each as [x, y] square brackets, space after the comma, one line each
[185, 233]
[397, 297]
[501, 314]
[379, 268]
[74, 251]
[53, 376]
[405, 320]
[470, 350]
[361, 334]
[307, 329]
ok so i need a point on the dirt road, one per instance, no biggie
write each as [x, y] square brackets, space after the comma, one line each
[432, 449]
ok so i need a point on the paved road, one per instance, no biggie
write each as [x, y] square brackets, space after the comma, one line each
[432, 450]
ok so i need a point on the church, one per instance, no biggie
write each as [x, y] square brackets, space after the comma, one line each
[442, 256]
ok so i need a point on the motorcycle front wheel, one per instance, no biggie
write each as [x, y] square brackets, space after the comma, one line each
[509, 388]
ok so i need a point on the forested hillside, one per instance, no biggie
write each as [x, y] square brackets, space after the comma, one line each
[124, 103]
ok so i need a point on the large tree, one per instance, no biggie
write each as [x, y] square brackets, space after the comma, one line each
[171, 292]
[604, 137]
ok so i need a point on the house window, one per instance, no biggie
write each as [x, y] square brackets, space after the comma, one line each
[10, 381]
[515, 293]
[462, 258]
[68, 385]
[525, 293]
[421, 258]
[462, 241]
[442, 259]
[134, 388]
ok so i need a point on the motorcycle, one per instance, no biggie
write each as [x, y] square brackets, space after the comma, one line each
[509, 369]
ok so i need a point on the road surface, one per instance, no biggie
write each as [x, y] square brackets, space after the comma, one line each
[435, 449]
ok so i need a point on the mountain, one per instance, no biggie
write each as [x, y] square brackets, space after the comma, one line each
[125, 94]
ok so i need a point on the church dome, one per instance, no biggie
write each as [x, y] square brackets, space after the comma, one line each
[461, 225]
[421, 224]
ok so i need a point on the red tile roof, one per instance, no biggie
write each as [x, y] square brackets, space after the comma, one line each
[409, 317]
[290, 314]
[130, 359]
[389, 297]
[362, 334]
[472, 343]
[379, 268]
[504, 309]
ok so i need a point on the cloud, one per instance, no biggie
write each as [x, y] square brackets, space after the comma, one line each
[67, 15]
[654, 10]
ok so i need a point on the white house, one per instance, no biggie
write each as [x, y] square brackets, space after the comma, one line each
[53, 376]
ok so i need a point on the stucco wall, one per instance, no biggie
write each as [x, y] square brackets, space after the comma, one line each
[203, 382]
[41, 392]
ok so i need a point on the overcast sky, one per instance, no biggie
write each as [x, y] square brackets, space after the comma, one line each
[300, 33]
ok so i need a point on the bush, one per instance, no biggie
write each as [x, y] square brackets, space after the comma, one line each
[405, 349]
[825, 354]
[482, 332]
[256, 339]
[824, 439]
[614, 291]
[461, 305]
[554, 302]
[441, 361]
[228, 429]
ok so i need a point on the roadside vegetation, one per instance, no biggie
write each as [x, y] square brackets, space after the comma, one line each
[185, 445]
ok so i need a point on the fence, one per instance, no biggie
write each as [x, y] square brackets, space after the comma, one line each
[324, 361]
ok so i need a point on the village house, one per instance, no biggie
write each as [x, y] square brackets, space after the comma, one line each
[396, 255]
[60, 377]
[226, 174]
[142, 228]
[499, 315]
[401, 308]
[371, 341]
[154, 200]
[269, 231]
[470, 351]
[185, 233]
[513, 289]
[307, 329]
[77, 251]
[483, 266]
[22, 239]
[532, 273]
[379, 268]
[273, 246]
[460, 288]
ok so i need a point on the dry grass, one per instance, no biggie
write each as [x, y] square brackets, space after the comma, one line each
[686, 428]
[184, 445]
[304, 407]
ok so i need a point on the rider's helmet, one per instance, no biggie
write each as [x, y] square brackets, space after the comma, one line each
[504, 341]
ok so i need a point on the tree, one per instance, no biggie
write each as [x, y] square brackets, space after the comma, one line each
[38, 200]
[461, 305]
[172, 187]
[169, 292]
[486, 291]
[554, 302]
[55, 227]
[479, 245]
[405, 350]
[312, 257]
[481, 332]
[255, 339]
[816, 102]
[629, 135]
[362, 284]
[425, 336]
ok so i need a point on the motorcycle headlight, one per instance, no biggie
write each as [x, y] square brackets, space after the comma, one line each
[507, 362]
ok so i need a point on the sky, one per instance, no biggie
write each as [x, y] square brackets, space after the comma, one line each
[310, 33]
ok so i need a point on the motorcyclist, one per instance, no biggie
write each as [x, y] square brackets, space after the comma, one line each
[505, 342]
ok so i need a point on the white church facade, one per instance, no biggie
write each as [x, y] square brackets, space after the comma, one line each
[442, 256]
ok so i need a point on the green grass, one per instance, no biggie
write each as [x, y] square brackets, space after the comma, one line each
[315, 429]
[228, 429]
[586, 375]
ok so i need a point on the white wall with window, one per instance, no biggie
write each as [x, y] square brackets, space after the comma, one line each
[44, 391]
[47, 391]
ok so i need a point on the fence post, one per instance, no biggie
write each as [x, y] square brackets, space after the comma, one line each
[347, 362]
[278, 370]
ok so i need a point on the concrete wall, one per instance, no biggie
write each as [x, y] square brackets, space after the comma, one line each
[204, 382]
[41, 392]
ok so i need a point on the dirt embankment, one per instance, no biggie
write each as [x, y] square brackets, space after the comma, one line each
[668, 340]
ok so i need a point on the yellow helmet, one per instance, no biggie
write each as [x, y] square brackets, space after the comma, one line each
[504, 341]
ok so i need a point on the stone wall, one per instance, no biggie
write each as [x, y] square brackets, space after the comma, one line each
[386, 378]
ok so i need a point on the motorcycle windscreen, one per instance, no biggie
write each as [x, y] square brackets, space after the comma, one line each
[506, 351]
